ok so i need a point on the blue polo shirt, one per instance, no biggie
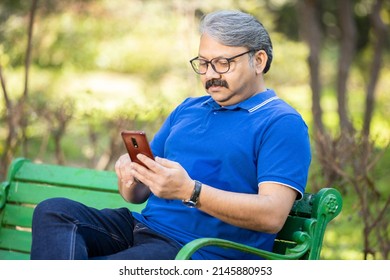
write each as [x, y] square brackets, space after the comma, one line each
[234, 148]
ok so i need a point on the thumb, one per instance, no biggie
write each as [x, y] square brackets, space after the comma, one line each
[166, 162]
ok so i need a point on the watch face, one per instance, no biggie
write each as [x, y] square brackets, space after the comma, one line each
[189, 203]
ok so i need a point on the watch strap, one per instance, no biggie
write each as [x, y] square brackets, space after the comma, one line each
[193, 201]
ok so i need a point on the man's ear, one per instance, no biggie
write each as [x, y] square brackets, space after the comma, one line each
[260, 60]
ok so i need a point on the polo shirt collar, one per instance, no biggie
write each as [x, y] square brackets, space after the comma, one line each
[252, 104]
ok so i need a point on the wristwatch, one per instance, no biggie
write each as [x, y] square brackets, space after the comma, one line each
[193, 201]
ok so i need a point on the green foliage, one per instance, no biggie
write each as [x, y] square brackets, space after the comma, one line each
[123, 64]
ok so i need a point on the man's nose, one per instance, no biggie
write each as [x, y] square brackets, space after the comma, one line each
[211, 73]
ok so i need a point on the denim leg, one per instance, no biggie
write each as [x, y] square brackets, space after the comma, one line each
[148, 245]
[66, 229]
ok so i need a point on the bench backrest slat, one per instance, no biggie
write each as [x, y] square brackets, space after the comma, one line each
[33, 193]
[19, 240]
[293, 224]
[13, 255]
[69, 176]
[18, 215]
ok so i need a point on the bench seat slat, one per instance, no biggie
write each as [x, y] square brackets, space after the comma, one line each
[280, 246]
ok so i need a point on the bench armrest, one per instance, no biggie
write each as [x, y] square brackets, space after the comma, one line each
[303, 245]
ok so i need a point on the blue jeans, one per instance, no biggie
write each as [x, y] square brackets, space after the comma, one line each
[64, 229]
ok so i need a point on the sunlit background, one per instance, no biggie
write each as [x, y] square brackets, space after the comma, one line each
[101, 66]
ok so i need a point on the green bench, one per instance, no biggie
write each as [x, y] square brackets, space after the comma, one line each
[28, 183]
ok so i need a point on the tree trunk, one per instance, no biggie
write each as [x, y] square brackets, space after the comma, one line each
[346, 55]
[380, 32]
[16, 116]
[312, 34]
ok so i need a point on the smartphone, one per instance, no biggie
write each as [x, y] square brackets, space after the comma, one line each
[136, 143]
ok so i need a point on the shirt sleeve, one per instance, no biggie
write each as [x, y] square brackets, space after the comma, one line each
[284, 155]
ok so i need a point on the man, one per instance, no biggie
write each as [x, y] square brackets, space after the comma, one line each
[229, 164]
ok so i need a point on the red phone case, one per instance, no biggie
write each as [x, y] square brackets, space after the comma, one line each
[136, 142]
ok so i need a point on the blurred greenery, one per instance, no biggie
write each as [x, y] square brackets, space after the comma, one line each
[102, 61]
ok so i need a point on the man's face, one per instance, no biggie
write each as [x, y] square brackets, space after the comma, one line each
[242, 80]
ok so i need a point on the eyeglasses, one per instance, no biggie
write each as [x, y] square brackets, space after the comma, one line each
[220, 65]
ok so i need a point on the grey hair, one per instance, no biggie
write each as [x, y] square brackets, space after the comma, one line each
[238, 29]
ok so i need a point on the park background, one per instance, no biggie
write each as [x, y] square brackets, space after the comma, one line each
[75, 73]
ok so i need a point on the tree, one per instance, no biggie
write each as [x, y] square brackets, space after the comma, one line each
[16, 114]
[349, 156]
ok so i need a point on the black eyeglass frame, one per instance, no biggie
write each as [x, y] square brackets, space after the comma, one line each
[213, 66]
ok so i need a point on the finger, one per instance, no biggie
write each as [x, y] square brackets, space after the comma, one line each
[118, 162]
[150, 163]
[117, 168]
[122, 169]
[125, 158]
[166, 162]
[141, 173]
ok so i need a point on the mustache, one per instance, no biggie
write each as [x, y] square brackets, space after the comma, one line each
[216, 82]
